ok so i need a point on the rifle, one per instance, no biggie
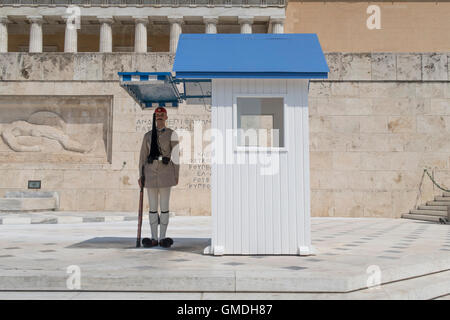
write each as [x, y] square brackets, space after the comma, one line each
[141, 203]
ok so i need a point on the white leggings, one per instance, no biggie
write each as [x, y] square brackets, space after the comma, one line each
[164, 196]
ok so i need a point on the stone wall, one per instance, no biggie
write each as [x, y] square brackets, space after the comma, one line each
[375, 124]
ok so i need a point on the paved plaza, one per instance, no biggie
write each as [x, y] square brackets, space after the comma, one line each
[411, 260]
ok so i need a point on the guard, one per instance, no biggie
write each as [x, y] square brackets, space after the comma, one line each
[159, 158]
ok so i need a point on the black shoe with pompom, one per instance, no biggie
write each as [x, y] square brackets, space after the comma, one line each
[166, 242]
[148, 243]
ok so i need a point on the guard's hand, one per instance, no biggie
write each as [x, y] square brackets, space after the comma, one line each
[140, 183]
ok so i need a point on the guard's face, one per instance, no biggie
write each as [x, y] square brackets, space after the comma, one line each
[161, 118]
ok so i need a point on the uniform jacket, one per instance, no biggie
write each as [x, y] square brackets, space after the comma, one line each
[158, 174]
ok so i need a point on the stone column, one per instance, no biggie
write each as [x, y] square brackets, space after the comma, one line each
[140, 34]
[4, 33]
[35, 33]
[246, 24]
[210, 24]
[105, 33]
[277, 24]
[70, 36]
[175, 31]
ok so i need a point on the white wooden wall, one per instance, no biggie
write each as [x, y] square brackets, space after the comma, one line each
[254, 213]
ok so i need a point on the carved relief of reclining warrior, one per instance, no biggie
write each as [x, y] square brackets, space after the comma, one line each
[12, 131]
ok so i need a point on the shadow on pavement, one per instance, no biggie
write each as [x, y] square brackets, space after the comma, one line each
[192, 245]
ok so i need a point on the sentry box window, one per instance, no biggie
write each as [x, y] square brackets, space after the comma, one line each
[34, 184]
[260, 122]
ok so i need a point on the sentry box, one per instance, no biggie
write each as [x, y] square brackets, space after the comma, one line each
[260, 185]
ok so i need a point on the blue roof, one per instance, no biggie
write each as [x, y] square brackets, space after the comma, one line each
[289, 55]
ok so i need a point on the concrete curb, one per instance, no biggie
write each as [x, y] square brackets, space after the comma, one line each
[62, 218]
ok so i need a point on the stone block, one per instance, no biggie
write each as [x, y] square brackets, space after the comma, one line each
[404, 160]
[349, 203]
[57, 66]
[322, 203]
[368, 142]
[68, 199]
[88, 66]
[344, 106]
[50, 179]
[19, 204]
[180, 200]
[434, 159]
[430, 124]
[147, 62]
[417, 142]
[316, 124]
[328, 142]
[9, 66]
[200, 204]
[387, 89]
[122, 200]
[76, 179]
[402, 202]
[334, 61]
[164, 62]
[121, 160]
[434, 66]
[15, 178]
[383, 66]
[375, 161]
[448, 67]
[321, 160]
[356, 66]
[373, 124]
[439, 142]
[129, 179]
[409, 66]
[117, 62]
[91, 199]
[401, 124]
[29, 66]
[341, 124]
[319, 89]
[430, 89]
[378, 204]
[125, 123]
[345, 89]
[346, 160]
[399, 106]
[103, 179]
[332, 179]
[439, 106]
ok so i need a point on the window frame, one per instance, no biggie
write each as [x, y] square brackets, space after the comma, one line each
[238, 148]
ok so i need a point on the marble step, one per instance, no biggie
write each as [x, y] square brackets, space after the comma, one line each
[438, 203]
[27, 204]
[427, 207]
[442, 199]
[429, 212]
[421, 217]
[29, 201]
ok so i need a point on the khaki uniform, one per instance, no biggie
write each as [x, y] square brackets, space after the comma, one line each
[158, 174]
